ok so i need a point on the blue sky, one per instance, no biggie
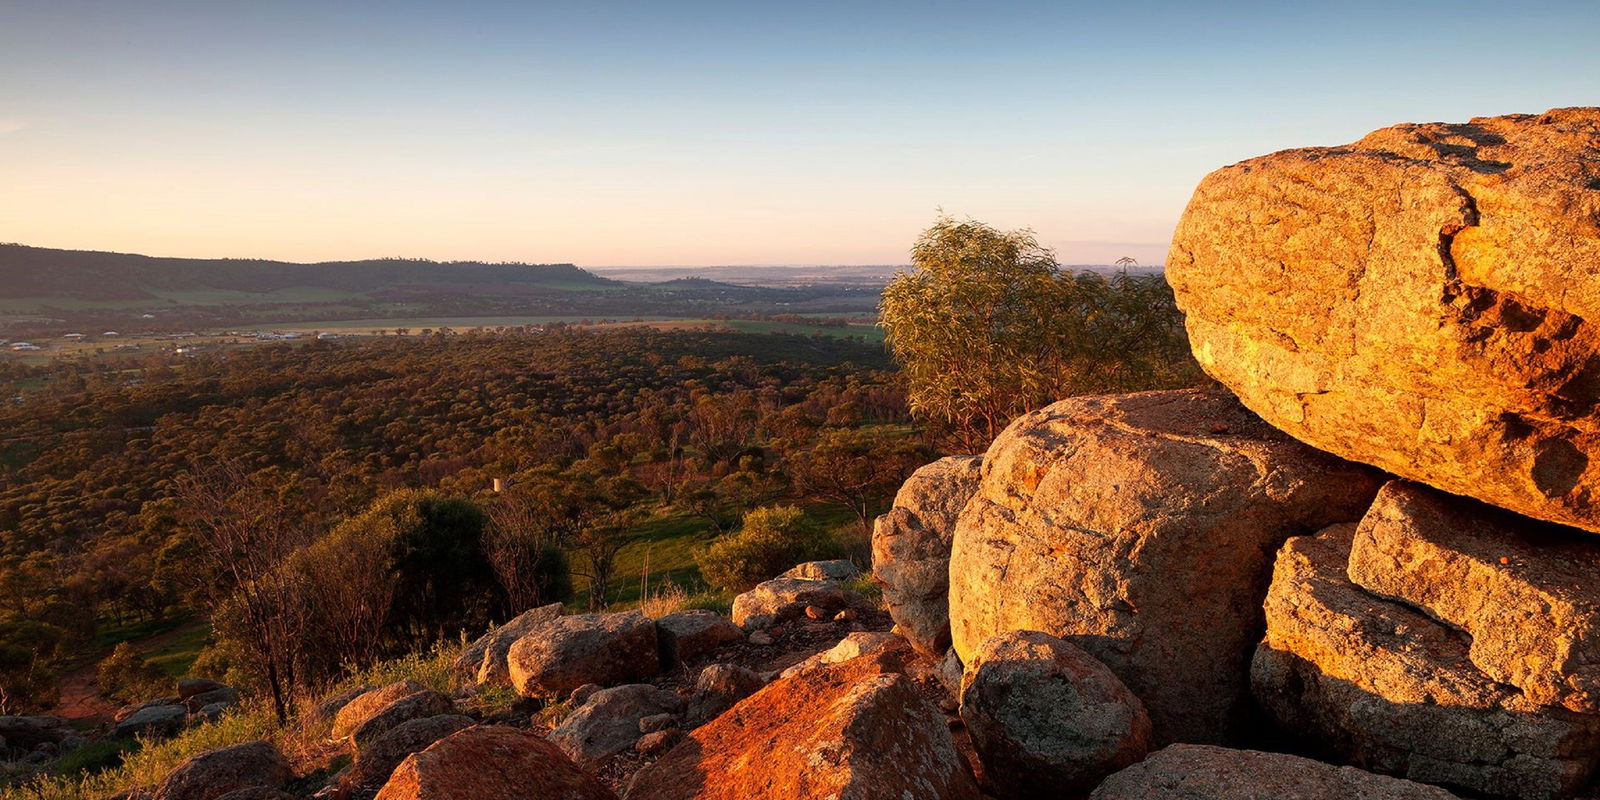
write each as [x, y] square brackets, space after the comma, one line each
[708, 132]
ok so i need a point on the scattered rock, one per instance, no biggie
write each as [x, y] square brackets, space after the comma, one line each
[257, 793]
[685, 637]
[838, 570]
[453, 768]
[567, 652]
[1418, 300]
[329, 708]
[223, 695]
[418, 705]
[719, 688]
[911, 549]
[189, 687]
[214, 773]
[28, 732]
[157, 722]
[658, 722]
[582, 694]
[1368, 680]
[784, 599]
[847, 615]
[1047, 719]
[610, 722]
[889, 651]
[1201, 772]
[484, 660]
[363, 706]
[657, 741]
[378, 759]
[842, 730]
[128, 711]
[1127, 526]
[761, 639]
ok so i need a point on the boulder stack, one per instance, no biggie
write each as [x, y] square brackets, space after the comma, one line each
[1142, 528]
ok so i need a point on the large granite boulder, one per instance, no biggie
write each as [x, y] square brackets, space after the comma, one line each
[155, 721]
[377, 760]
[911, 549]
[568, 652]
[490, 761]
[417, 705]
[848, 731]
[364, 706]
[1418, 300]
[1200, 772]
[685, 637]
[1142, 529]
[1047, 719]
[1526, 594]
[608, 722]
[214, 773]
[484, 661]
[1363, 679]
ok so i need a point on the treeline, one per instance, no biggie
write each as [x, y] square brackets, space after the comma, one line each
[119, 489]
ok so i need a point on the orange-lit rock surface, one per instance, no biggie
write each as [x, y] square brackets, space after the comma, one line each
[1367, 680]
[490, 761]
[1527, 595]
[850, 731]
[1418, 300]
[1142, 528]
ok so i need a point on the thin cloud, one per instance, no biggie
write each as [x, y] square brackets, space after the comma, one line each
[10, 126]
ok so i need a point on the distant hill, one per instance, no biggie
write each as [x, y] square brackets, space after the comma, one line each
[27, 272]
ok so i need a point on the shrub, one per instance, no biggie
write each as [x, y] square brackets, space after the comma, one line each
[129, 677]
[771, 540]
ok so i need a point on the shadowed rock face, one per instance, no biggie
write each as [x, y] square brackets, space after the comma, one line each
[1368, 680]
[1420, 300]
[1047, 719]
[488, 761]
[1142, 528]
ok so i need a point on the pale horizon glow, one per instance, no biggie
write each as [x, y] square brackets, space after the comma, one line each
[708, 133]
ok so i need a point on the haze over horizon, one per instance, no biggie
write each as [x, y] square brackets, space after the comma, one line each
[708, 133]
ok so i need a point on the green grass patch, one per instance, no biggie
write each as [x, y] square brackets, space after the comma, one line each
[177, 656]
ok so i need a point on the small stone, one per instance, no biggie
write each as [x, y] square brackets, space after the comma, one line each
[815, 612]
[761, 639]
[658, 741]
[657, 722]
[582, 694]
[846, 615]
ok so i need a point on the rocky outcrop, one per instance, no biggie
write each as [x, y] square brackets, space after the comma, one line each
[489, 761]
[685, 637]
[1047, 719]
[1418, 300]
[784, 599]
[911, 549]
[377, 760]
[212, 774]
[1363, 679]
[889, 651]
[1527, 595]
[609, 722]
[484, 661]
[1142, 529]
[847, 731]
[1199, 772]
[568, 652]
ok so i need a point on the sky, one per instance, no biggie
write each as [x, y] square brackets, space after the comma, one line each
[706, 133]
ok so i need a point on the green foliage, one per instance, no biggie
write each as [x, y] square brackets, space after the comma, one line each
[986, 327]
[93, 757]
[771, 540]
[127, 676]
